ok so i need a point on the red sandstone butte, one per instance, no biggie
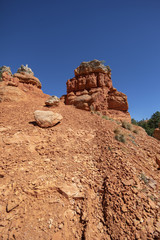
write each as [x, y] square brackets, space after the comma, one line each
[92, 89]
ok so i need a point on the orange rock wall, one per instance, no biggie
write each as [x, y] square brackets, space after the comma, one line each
[94, 91]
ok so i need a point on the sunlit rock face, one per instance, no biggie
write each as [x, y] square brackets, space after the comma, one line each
[13, 87]
[91, 89]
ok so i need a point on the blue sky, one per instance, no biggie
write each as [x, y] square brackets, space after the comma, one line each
[54, 37]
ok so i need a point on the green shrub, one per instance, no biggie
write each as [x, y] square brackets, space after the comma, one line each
[144, 178]
[106, 117]
[120, 138]
[149, 124]
[117, 131]
[126, 125]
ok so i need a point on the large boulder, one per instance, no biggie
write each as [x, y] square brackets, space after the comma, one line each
[47, 118]
[52, 101]
[91, 89]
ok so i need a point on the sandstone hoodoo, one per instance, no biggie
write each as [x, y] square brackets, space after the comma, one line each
[13, 87]
[92, 89]
[25, 75]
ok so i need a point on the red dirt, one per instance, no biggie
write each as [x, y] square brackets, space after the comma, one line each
[75, 180]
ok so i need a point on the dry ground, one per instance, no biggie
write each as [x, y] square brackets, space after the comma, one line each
[75, 180]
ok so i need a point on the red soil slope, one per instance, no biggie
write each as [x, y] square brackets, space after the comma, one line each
[75, 180]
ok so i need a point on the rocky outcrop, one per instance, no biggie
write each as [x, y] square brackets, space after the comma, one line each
[27, 79]
[92, 89]
[156, 133]
[24, 75]
[23, 80]
[47, 118]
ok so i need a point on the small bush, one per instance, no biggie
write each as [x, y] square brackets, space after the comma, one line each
[117, 131]
[120, 138]
[106, 117]
[144, 178]
[126, 125]
[135, 131]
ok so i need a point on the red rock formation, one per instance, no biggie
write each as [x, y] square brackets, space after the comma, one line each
[156, 133]
[92, 89]
[14, 87]
[27, 79]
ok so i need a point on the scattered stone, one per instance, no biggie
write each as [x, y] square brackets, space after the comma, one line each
[151, 203]
[47, 118]
[52, 101]
[128, 182]
[60, 226]
[71, 191]
[124, 208]
[158, 160]
[50, 223]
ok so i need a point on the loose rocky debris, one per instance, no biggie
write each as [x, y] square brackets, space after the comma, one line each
[75, 181]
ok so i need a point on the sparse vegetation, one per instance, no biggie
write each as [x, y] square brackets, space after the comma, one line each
[120, 137]
[135, 131]
[126, 125]
[117, 131]
[144, 178]
[149, 124]
[106, 117]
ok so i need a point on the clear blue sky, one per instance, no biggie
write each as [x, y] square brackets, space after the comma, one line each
[54, 37]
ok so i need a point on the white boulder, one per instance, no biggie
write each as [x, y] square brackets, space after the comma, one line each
[47, 118]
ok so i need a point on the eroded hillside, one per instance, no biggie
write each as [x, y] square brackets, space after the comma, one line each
[75, 180]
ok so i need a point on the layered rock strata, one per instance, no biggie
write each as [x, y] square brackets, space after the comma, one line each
[23, 80]
[92, 89]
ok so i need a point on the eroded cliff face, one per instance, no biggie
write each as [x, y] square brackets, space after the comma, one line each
[92, 89]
